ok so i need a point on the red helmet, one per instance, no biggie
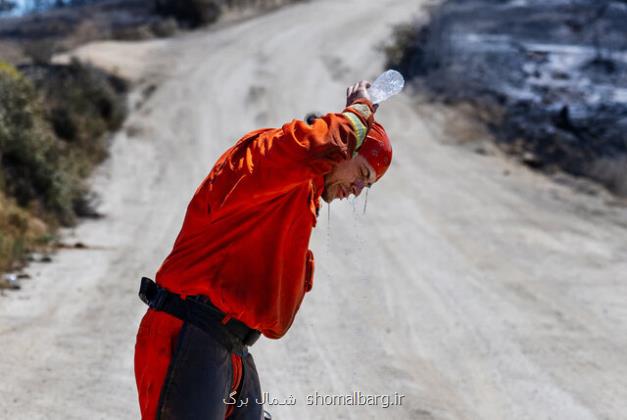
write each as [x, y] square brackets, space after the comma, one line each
[377, 149]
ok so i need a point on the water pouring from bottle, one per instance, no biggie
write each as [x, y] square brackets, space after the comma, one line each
[386, 85]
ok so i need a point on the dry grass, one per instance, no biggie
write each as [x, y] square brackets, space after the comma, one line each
[20, 233]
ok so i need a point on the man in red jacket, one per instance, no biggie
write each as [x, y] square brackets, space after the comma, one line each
[241, 266]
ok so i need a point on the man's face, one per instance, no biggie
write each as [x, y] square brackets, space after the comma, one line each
[348, 177]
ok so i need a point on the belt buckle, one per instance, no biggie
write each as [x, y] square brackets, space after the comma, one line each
[146, 290]
[143, 297]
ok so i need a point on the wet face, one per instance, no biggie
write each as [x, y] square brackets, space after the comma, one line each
[348, 177]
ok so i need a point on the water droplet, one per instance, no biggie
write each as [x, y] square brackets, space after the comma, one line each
[328, 214]
[366, 200]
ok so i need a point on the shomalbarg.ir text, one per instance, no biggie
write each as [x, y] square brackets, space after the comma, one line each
[355, 398]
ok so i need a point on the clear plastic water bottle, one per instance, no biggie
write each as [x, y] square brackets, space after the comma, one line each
[389, 83]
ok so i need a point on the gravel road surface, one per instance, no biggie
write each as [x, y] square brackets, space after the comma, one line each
[472, 286]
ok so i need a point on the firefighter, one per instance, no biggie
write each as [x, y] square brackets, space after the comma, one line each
[241, 266]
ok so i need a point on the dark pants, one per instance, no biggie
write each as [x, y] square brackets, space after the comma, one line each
[197, 382]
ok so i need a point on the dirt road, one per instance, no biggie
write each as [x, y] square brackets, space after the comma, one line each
[473, 287]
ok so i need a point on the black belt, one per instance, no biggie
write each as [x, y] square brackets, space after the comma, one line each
[198, 311]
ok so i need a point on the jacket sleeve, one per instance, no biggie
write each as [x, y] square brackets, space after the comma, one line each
[330, 139]
[265, 163]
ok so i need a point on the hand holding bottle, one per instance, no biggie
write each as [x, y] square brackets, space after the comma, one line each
[388, 84]
[357, 91]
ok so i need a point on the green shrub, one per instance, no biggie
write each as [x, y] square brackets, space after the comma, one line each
[28, 150]
[53, 128]
[82, 102]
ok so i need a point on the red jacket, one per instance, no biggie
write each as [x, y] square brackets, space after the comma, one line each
[244, 240]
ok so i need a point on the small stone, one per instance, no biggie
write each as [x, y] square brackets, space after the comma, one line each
[531, 160]
[9, 281]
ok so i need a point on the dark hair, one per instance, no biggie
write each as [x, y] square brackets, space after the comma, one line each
[311, 117]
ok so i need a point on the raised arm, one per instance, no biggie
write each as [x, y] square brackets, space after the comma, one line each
[265, 163]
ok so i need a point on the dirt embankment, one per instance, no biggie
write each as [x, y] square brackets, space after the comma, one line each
[552, 76]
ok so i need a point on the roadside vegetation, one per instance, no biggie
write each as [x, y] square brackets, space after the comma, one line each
[54, 124]
[549, 79]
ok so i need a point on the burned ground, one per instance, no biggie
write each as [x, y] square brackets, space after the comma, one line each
[553, 74]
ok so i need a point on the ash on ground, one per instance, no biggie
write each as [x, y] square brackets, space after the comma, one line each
[553, 72]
